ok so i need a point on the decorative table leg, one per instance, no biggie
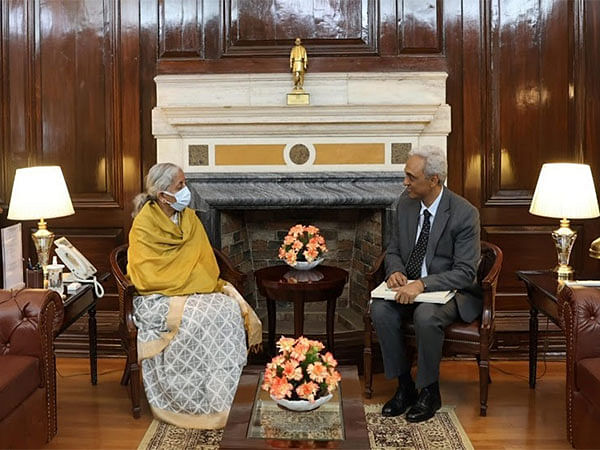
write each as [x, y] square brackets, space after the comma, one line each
[271, 313]
[533, 333]
[93, 345]
[330, 318]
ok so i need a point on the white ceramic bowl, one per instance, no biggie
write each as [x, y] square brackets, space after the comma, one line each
[305, 265]
[302, 405]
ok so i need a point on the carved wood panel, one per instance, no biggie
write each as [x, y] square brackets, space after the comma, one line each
[421, 29]
[180, 31]
[256, 36]
[529, 75]
[255, 27]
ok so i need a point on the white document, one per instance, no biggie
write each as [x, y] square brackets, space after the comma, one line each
[585, 283]
[12, 257]
[382, 291]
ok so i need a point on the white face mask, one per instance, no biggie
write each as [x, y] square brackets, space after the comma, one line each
[182, 198]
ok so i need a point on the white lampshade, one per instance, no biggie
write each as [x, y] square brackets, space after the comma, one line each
[39, 193]
[565, 191]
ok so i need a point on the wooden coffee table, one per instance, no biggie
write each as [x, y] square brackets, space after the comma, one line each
[340, 423]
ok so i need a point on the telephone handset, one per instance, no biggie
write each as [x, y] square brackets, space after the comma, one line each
[78, 264]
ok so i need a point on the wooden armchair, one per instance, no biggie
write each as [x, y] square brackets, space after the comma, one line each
[127, 328]
[474, 338]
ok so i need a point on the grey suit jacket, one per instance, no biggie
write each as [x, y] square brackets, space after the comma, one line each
[453, 249]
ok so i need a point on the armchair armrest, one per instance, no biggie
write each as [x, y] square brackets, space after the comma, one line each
[377, 273]
[29, 320]
[228, 271]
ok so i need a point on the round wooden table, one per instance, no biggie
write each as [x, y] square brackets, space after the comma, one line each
[274, 287]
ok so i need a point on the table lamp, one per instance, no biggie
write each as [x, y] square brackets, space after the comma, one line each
[40, 193]
[565, 191]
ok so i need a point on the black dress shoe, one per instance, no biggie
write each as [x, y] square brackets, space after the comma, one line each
[404, 397]
[428, 403]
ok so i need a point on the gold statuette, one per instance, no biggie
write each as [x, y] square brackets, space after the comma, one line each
[298, 66]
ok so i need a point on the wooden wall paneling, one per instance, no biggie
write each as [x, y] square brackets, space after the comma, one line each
[71, 75]
[388, 28]
[148, 60]
[528, 104]
[247, 37]
[180, 30]
[3, 109]
[77, 97]
[258, 28]
[457, 140]
[588, 49]
[421, 26]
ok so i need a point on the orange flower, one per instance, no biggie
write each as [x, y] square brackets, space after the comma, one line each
[280, 388]
[296, 230]
[332, 380]
[281, 252]
[317, 372]
[290, 258]
[286, 344]
[288, 240]
[311, 229]
[316, 344]
[311, 255]
[329, 360]
[302, 346]
[292, 370]
[297, 245]
[307, 391]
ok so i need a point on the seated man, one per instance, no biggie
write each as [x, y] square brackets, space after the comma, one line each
[435, 246]
[192, 326]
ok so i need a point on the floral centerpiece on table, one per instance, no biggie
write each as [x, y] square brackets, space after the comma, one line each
[300, 371]
[302, 243]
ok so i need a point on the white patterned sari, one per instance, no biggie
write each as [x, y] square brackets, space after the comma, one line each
[193, 349]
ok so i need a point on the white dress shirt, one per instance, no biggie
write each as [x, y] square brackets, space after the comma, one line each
[432, 210]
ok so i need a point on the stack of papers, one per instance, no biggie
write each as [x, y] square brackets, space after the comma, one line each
[382, 291]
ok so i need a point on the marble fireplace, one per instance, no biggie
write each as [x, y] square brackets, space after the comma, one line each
[258, 166]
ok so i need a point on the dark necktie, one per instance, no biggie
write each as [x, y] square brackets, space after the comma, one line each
[415, 262]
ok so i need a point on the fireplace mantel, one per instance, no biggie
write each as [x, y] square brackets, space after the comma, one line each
[241, 123]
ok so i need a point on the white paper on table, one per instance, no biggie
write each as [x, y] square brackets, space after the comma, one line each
[12, 257]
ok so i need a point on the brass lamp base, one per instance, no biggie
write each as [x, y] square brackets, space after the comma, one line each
[43, 239]
[595, 249]
[564, 238]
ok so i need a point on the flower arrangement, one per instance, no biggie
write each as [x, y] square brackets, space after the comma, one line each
[300, 371]
[302, 243]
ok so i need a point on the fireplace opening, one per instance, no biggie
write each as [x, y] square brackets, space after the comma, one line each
[354, 237]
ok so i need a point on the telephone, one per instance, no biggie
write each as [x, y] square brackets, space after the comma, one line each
[81, 269]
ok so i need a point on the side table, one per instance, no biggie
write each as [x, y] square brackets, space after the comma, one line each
[542, 295]
[274, 287]
[75, 306]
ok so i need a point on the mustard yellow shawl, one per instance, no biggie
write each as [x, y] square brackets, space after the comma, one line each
[178, 260]
[169, 259]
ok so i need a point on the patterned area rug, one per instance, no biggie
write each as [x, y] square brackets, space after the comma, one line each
[444, 431]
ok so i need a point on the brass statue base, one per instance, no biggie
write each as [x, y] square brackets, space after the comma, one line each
[298, 98]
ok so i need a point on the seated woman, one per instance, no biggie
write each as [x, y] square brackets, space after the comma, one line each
[191, 336]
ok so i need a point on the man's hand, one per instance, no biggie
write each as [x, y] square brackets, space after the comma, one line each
[406, 294]
[396, 280]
